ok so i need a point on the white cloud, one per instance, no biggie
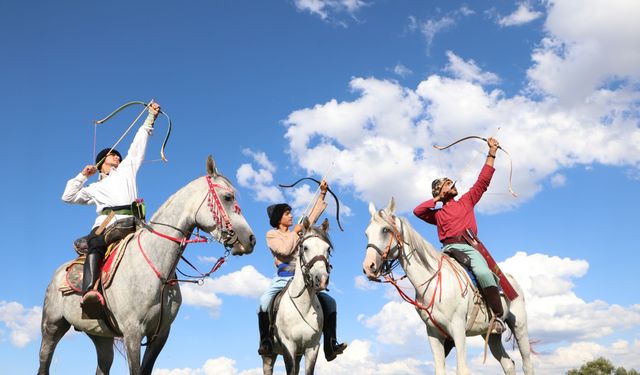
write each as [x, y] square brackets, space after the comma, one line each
[599, 46]
[23, 323]
[434, 26]
[469, 71]
[555, 312]
[216, 366]
[558, 180]
[247, 282]
[259, 180]
[327, 9]
[362, 283]
[524, 14]
[381, 141]
[402, 70]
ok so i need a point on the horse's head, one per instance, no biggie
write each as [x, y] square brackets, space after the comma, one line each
[384, 241]
[220, 214]
[314, 249]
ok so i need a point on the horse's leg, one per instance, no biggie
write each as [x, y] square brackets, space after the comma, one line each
[268, 361]
[53, 327]
[288, 353]
[499, 353]
[297, 364]
[518, 325]
[132, 342]
[152, 351]
[310, 358]
[104, 349]
[458, 331]
[437, 348]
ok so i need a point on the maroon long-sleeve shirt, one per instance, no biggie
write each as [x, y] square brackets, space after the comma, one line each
[456, 216]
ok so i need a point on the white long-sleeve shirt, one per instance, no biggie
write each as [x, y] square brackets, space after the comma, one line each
[118, 188]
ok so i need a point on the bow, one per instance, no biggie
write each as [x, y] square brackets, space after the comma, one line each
[484, 139]
[129, 104]
[328, 189]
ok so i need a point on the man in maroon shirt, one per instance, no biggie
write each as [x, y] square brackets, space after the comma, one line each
[456, 216]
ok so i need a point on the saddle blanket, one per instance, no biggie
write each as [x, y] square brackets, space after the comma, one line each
[73, 279]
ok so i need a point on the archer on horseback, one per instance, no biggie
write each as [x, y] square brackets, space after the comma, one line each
[113, 195]
[453, 220]
[282, 243]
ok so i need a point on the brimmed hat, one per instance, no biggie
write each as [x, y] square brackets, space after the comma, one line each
[102, 156]
[275, 212]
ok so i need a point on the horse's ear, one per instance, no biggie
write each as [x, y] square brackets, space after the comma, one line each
[372, 209]
[325, 225]
[305, 223]
[391, 208]
[211, 166]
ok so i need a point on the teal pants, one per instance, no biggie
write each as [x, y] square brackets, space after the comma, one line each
[479, 265]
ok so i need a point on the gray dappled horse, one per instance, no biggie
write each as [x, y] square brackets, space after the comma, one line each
[392, 238]
[207, 203]
[299, 321]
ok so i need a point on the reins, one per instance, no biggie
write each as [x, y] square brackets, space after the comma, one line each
[228, 239]
[389, 265]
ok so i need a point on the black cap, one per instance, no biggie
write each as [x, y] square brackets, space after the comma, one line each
[102, 155]
[275, 212]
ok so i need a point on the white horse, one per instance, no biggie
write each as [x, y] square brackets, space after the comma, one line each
[299, 321]
[442, 291]
[141, 301]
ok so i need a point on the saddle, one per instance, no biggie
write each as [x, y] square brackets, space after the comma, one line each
[72, 283]
[113, 233]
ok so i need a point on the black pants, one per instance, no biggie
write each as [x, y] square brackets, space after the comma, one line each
[96, 243]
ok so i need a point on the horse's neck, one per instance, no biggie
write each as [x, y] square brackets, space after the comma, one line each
[175, 218]
[419, 259]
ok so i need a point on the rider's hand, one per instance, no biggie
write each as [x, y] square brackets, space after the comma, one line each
[89, 170]
[297, 228]
[493, 145]
[324, 186]
[154, 108]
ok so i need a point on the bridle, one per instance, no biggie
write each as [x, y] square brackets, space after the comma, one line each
[228, 235]
[389, 264]
[306, 265]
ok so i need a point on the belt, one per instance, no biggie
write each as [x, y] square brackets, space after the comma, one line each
[118, 210]
[282, 272]
[453, 240]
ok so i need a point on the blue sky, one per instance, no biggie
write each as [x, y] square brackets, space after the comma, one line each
[284, 89]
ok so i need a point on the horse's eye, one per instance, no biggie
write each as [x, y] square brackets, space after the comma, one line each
[386, 230]
[228, 197]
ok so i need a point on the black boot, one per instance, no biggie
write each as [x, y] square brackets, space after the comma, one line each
[331, 346]
[492, 295]
[91, 271]
[92, 301]
[266, 347]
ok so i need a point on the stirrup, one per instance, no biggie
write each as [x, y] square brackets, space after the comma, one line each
[93, 305]
[336, 350]
[498, 327]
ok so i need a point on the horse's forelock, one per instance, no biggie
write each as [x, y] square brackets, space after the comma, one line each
[322, 234]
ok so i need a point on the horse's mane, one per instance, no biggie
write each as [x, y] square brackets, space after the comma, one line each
[416, 241]
[423, 249]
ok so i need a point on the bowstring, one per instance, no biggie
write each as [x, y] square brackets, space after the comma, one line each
[476, 152]
[316, 193]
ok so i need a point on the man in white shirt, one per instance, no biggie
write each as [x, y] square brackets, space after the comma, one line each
[114, 191]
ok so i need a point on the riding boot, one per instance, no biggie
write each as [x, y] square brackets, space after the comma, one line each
[266, 346]
[331, 346]
[92, 302]
[492, 295]
[91, 271]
